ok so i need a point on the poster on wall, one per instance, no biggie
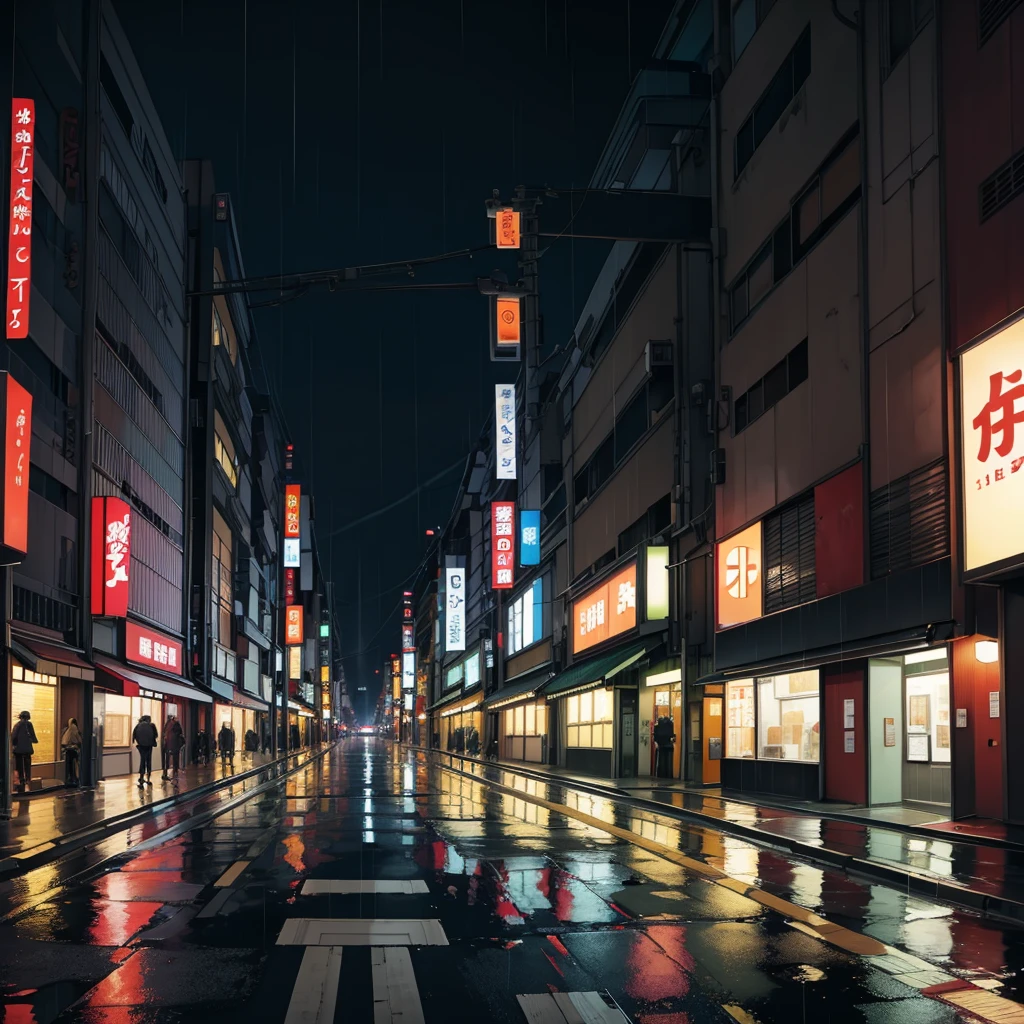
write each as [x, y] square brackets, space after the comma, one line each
[889, 731]
[917, 747]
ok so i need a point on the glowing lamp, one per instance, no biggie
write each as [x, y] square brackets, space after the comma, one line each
[986, 651]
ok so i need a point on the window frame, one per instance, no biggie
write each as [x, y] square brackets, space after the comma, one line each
[921, 12]
[754, 684]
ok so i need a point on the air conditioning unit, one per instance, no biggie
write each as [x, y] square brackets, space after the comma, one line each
[657, 353]
[718, 466]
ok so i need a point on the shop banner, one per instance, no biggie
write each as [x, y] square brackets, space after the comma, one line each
[293, 633]
[16, 415]
[505, 427]
[455, 609]
[19, 210]
[111, 556]
[503, 545]
[146, 646]
[606, 611]
[292, 529]
[529, 537]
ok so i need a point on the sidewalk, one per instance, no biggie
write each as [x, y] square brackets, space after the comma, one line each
[69, 817]
[982, 876]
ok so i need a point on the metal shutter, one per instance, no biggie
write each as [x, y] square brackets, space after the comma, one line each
[789, 556]
[910, 521]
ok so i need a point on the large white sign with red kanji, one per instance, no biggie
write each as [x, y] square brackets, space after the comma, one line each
[992, 450]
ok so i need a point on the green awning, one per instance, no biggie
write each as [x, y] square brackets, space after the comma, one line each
[595, 671]
[457, 694]
[531, 684]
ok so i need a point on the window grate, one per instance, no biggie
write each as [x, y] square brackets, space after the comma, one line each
[991, 14]
[789, 575]
[1002, 187]
[909, 521]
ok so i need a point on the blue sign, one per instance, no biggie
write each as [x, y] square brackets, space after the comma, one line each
[529, 538]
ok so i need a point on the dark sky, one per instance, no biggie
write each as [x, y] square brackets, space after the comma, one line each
[365, 131]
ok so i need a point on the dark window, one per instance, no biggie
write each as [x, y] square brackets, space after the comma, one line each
[909, 521]
[627, 288]
[738, 301]
[581, 486]
[661, 388]
[782, 250]
[602, 463]
[744, 25]
[1002, 187]
[778, 382]
[46, 612]
[789, 556]
[905, 19]
[116, 97]
[67, 570]
[772, 105]
[149, 162]
[50, 488]
[631, 425]
[134, 367]
[552, 479]
[991, 14]
[760, 276]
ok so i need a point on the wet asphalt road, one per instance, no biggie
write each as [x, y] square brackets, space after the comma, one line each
[149, 927]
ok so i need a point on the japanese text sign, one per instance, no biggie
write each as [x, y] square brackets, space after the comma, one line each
[289, 586]
[293, 624]
[505, 426]
[507, 327]
[738, 572]
[455, 610]
[529, 537]
[606, 611]
[503, 544]
[19, 210]
[408, 637]
[292, 530]
[992, 450]
[111, 556]
[148, 647]
[17, 420]
[409, 670]
[506, 228]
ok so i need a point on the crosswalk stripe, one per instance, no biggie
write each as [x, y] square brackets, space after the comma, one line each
[351, 886]
[231, 874]
[568, 1008]
[316, 986]
[396, 998]
[361, 931]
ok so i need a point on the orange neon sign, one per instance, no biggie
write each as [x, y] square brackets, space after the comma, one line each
[506, 228]
[605, 611]
[508, 321]
[739, 570]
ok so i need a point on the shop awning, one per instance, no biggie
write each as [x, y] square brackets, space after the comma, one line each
[457, 701]
[147, 681]
[520, 690]
[593, 672]
[29, 651]
[241, 699]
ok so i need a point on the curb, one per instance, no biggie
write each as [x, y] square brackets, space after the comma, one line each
[890, 875]
[51, 850]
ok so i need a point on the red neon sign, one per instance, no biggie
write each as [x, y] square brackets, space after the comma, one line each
[503, 544]
[289, 586]
[293, 624]
[148, 647]
[111, 556]
[17, 420]
[19, 211]
[292, 499]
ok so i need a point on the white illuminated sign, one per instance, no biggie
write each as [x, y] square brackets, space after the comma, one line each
[292, 556]
[455, 610]
[505, 427]
[408, 671]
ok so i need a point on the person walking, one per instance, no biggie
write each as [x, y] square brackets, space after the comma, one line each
[145, 737]
[665, 738]
[226, 744]
[174, 740]
[71, 743]
[23, 741]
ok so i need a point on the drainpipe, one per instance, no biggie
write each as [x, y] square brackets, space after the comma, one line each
[90, 767]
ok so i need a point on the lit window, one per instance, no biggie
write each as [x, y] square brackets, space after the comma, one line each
[788, 712]
[224, 450]
[526, 618]
[589, 718]
[221, 335]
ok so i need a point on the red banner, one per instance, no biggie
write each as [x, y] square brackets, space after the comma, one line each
[111, 556]
[293, 624]
[148, 647]
[503, 544]
[289, 586]
[17, 420]
[19, 210]
[292, 500]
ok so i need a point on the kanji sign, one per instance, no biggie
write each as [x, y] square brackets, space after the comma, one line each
[505, 427]
[19, 210]
[529, 537]
[289, 586]
[738, 577]
[293, 624]
[506, 228]
[606, 611]
[111, 556]
[507, 327]
[292, 529]
[992, 450]
[503, 544]
[148, 647]
[17, 419]
[455, 610]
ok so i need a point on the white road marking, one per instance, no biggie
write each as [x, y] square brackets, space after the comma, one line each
[568, 1008]
[353, 931]
[231, 874]
[316, 987]
[396, 997]
[350, 886]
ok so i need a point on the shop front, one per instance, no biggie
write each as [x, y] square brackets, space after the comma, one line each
[522, 716]
[245, 715]
[661, 697]
[48, 681]
[458, 720]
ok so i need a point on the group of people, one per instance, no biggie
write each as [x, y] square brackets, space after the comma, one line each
[23, 744]
[145, 738]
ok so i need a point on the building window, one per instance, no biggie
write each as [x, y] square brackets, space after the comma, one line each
[927, 713]
[36, 693]
[788, 712]
[220, 582]
[991, 14]
[589, 717]
[795, 70]
[526, 618]
[527, 720]
[1001, 187]
[739, 719]
[785, 376]
[454, 676]
[789, 563]
[824, 201]
[224, 449]
[904, 19]
[909, 521]
[223, 336]
[747, 16]
[472, 676]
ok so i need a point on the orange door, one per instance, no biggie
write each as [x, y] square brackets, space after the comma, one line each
[677, 719]
[712, 729]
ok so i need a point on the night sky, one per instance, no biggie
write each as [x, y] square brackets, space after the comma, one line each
[367, 131]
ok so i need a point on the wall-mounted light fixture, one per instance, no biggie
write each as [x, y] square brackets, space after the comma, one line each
[986, 651]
